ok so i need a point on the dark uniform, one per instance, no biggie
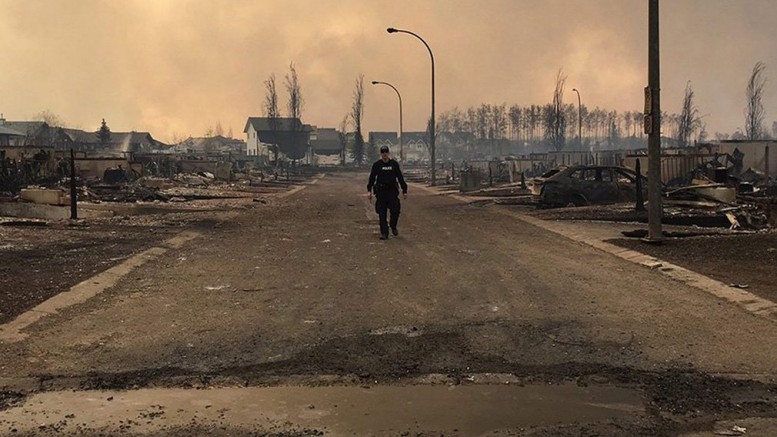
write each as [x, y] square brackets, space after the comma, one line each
[383, 182]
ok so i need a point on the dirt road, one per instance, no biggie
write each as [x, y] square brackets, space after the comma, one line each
[300, 293]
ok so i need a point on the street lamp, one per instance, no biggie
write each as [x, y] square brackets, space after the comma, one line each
[431, 122]
[579, 119]
[401, 148]
[653, 126]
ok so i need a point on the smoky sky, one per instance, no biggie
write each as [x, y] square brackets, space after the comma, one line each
[177, 67]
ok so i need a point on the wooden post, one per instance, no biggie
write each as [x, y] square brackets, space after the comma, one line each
[640, 206]
[73, 194]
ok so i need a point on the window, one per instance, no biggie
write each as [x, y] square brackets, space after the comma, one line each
[624, 178]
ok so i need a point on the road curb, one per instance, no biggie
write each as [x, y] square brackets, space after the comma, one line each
[11, 332]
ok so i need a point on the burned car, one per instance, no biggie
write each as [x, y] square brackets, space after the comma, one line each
[589, 185]
[535, 183]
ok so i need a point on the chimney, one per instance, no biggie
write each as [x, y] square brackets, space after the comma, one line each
[2, 119]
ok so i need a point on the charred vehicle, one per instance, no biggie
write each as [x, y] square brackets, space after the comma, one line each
[589, 185]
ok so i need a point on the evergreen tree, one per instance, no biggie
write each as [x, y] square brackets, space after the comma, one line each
[104, 134]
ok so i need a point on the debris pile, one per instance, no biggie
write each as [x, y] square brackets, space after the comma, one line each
[742, 210]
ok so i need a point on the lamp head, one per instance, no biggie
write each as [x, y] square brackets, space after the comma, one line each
[574, 89]
[391, 30]
[374, 82]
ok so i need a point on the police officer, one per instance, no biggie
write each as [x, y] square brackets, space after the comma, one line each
[383, 182]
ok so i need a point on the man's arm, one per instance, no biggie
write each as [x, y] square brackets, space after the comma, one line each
[371, 180]
[401, 178]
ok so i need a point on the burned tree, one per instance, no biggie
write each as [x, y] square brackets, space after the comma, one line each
[342, 136]
[754, 113]
[271, 111]
[555, 121]
[298, 145]
[357, 110]
[689, 119]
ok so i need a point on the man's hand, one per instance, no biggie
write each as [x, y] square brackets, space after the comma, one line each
[370, 195]
[404, 196]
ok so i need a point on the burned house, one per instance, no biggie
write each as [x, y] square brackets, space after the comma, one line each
[758, 157]
[118, 144]
[216, 145]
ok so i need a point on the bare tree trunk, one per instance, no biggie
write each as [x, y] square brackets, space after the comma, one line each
[357, 110]
[295, 113]
[754, 113]
[689, 119]
[271, 111]
[343, 137]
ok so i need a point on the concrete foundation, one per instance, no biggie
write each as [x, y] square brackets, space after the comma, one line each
[43, 196]
[48, 212]
[469, 180]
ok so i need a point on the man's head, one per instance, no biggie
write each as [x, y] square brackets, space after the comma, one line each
[384, 153]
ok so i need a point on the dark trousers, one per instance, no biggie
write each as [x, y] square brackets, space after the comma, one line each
[385, 201]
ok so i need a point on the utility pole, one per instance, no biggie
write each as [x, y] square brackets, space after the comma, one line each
[653, 127]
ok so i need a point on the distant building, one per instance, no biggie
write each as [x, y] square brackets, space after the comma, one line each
[289, 135]
[8, 134]
[40, 135]
[325, 141]
[415, 145]
[211, 145]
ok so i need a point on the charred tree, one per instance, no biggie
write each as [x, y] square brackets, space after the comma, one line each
[342, 136]
[298, 146]
[357, 111]
[271, 112]
[689, 118]
[556, 122]
[754, 113]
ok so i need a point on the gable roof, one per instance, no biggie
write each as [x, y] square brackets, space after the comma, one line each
[10, 132]
[384, 137]
[415, 137]
[262, 124]
[83, 137]
[327, 140]
[26, 128]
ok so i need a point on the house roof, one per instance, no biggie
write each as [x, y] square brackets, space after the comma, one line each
[417, 137]
[383, 137]
[284, 124]
[327, 140]
[27, 128]
[82, 137]
[10, 132]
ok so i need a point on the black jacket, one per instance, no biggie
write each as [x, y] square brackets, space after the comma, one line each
[384, 177]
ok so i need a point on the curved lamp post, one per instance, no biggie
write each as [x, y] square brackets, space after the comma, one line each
[401, 148]
[432, 121]
[579, 118]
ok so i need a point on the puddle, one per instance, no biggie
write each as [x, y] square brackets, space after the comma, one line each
[338, 410]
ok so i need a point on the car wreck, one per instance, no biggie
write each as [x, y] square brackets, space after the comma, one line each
[583, 185]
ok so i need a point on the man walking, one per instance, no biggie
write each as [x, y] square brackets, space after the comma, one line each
[383, 181]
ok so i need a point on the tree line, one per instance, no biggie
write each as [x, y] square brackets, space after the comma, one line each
[559, 126]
